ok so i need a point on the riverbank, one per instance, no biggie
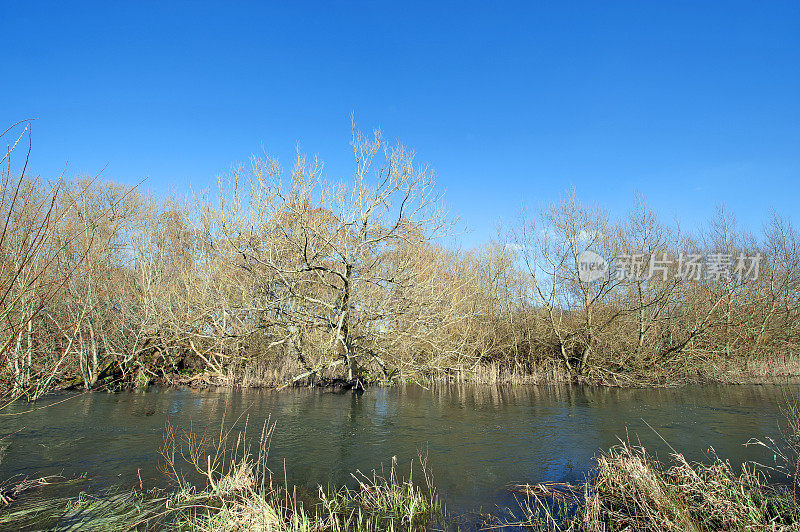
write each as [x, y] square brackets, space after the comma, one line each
[628, 489]
[244, 498]
[766, 370]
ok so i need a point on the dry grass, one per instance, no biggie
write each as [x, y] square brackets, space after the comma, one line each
[240, 501]
[242, 494]
[630, 490]
[377, 503]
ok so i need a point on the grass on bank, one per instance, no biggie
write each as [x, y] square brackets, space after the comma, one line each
[238, 501]
[242, 494]
[627, 490]
[631, 490]
[377, 504]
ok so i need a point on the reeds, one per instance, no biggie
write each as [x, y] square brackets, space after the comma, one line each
[630, 490]
[241, 492]
[377, 503]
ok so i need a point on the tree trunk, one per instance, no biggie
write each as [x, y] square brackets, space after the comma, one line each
[353, 372]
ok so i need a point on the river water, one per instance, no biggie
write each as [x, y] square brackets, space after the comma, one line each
[478, 438]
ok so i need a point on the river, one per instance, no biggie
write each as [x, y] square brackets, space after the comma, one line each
[478, 438]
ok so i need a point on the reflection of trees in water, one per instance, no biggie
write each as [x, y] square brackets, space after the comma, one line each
[478, 437]
[502, 395]
[499, 395]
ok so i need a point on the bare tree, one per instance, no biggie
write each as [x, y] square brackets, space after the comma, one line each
[577, 310]
[338, 258]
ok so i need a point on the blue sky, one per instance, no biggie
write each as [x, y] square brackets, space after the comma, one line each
[690, 103]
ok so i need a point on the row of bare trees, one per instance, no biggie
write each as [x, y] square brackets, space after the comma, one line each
[287, 276]
[672, 306]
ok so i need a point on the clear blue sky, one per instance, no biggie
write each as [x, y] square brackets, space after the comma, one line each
[690, 103]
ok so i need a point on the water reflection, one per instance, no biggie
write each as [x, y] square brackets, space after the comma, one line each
[479, 438]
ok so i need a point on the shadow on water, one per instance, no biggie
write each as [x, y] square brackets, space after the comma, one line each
[478, 438]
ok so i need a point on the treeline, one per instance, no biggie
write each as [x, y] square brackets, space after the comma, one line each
[284, 276]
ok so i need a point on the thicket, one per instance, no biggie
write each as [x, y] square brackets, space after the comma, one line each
[286, 276]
